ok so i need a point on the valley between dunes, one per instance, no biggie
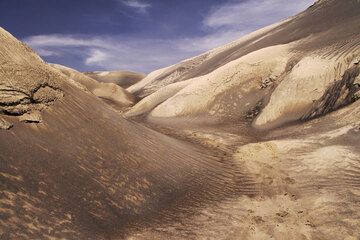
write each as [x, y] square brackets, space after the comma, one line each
[257, 139]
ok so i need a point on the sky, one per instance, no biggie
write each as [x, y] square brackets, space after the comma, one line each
[135, 35]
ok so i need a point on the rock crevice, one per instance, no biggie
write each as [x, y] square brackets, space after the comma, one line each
[339, 94]
[14, 101]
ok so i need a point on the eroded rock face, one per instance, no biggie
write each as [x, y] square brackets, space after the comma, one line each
[26, 83]
[341, 93]
[309, 90]
[46, 94]
[5, 125]
[32, 117]
[15, 101]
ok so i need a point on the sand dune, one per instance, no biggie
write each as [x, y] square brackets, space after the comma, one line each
[245, 74]
[307, 176]
[258, 139]
[78, 172]
[108, 91]
[305, 70]
[122, 78]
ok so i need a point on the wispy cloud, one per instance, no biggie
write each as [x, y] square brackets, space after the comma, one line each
[115, 52]
[249, 15]
[224, 23]
[208, 41]
[140, 6]
[112, 52]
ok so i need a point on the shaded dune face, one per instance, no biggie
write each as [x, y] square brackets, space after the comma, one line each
[295, 60]
[85, 172]
[122, 78]
[91, 173]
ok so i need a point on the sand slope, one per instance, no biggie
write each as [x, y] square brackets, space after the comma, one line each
[84, 172]
[278, 157]
[249, 79]
[108, 91]
[122, 78]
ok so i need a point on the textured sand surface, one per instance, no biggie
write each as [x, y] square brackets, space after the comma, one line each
[258, 139]
[307, 178]
[265, 68]
[244, 74]
[78, 173]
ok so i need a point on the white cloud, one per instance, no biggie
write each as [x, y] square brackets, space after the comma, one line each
[96, 56]
[209, 41]
[114, 52]
[138, 5]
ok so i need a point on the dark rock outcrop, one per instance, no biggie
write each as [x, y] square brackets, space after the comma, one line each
[341, 93]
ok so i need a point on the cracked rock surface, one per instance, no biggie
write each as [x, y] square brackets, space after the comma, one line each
[341, 93]
[25, 87]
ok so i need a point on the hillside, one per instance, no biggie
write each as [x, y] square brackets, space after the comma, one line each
[111, 93]
[300, 59]
[257, 139]
[83, 171]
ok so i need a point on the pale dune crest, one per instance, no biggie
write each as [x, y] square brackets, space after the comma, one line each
[108, 91]
[124, 79]
[304, 85]
[202, 91]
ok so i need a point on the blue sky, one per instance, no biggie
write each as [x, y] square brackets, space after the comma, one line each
[137, 35]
